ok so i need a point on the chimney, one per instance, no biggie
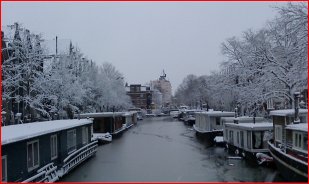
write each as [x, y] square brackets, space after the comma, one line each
[296, 107]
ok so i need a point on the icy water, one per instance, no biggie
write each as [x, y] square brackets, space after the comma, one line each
[163, 149]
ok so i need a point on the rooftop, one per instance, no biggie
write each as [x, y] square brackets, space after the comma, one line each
[301, 127]
[258, 126]
[14, 133]
[288, 112]
[99, 114]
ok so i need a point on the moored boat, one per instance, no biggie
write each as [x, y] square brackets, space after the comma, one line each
[289, 146]
[208, 124]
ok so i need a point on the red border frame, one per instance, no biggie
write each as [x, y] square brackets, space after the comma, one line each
[119, 1]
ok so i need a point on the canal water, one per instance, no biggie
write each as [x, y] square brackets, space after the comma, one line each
[163, 149]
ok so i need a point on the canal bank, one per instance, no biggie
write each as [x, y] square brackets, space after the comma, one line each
[164, 149]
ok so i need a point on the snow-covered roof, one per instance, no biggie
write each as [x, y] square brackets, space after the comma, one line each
[14, 133]
[256, 126]
[288, 112]
[242, 119]
[301, 127]
[99, 114]
[217, 113]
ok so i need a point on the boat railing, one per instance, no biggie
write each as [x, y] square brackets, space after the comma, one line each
[48, 173]
[78, 157]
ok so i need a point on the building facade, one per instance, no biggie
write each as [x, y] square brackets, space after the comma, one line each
[165, 87]
[141, 96]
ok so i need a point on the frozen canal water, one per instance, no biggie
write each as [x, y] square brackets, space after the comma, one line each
[163, 149]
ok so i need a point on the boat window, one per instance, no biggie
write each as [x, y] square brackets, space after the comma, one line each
[231, 139]
[53, 147]
[242, 139]
[217, 120]
[32, 155]
[71, 141]
[226, 134]
[300, 141]
[305, 142]
[249, 140]
[85, 135]
[266, 137]
[4, 168]
[257, 140]
[278, 133]
[237, 135]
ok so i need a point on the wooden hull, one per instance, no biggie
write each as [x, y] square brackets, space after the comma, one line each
[290, 168]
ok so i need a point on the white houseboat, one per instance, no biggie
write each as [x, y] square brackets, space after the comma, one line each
[208, 124]
[248, 139]
[289, 146]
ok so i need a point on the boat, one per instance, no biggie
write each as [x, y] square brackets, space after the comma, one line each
[174, 113]
[45, 151]
[130, 119]
[112, 123]
[208, 124]
[289, 146]
[248, 139]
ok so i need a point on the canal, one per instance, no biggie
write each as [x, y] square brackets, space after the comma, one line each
[164, 149]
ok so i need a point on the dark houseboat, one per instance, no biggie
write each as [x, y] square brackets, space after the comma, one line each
[45, 151]
[106, 125]
[289, 146]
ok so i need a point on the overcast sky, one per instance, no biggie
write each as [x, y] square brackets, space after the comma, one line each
[142, 39]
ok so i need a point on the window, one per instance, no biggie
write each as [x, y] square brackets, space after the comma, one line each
[231, 139]
[249, 140]
[278, 133]
[300, 141]
[217, 120]
[237, 135]
[242, 139]
[85, 135]
[33, 155]
[4, 168]
[53, 147]
[71, 141]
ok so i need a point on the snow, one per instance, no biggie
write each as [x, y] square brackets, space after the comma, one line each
[99, 114]
[218, 139]
[14, 133]
[217, 113]
[301, 127]
[242, 119]
[261, 125]
[287, 112]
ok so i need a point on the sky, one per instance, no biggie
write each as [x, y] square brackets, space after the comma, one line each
[141, 39]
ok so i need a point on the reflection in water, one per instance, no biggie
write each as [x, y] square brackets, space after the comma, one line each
[163, 149]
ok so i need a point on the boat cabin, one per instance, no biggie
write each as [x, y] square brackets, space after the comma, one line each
[282, 118]
[45, 151]
[130, 118]
[208, 121]
[106, 122]
[249, 136]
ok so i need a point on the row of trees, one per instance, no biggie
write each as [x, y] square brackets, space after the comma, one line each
[265, 65]
[36, 84]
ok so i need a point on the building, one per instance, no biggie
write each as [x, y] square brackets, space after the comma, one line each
[165, 87]
[141, 96]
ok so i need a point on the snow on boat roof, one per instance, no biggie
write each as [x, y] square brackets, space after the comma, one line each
[301, 127]
[99, 114]
[261, 125]
[14, 133]
[287, 112]
[242, 119]
[217, 113]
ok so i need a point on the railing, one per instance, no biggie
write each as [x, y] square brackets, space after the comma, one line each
[48, 173]
[78, 157]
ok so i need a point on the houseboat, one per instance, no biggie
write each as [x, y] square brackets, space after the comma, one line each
[106, 125]
[208, 124]
[249, 139]
[45, 151]
[130, 118]
[174, 113]
[289, 146]
[189, 117]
